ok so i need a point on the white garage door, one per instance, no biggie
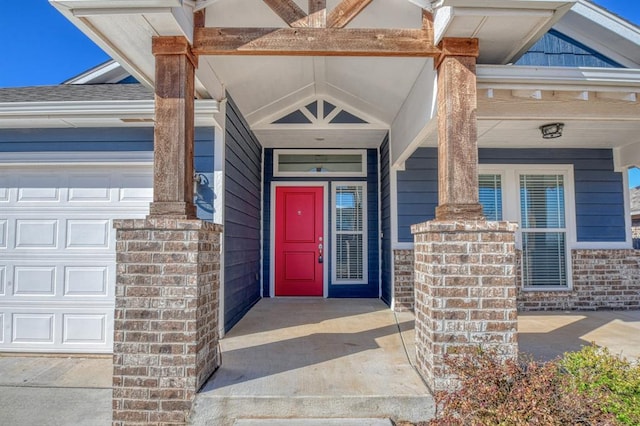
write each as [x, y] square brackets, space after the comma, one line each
[57, 252]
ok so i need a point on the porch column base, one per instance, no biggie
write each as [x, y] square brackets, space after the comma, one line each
[173, 209]
[166, 317]
[459, 212]
[465, 293]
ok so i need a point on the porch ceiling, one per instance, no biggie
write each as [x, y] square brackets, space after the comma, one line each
[263, 87]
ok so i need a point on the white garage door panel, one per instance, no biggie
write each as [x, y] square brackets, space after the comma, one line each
[3, 233]
[88, 233]
[57, 252]
[34, 281]
[86, 281]
[32, 328]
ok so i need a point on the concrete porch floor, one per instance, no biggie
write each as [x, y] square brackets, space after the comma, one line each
[315, 358]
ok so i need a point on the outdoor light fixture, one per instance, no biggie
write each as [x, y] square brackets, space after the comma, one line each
[552, 131]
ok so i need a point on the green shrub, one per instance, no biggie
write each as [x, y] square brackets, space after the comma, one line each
[612, 380]
[496, 392]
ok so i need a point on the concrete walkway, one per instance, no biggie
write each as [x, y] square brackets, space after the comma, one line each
[56, 391]
[289, 357]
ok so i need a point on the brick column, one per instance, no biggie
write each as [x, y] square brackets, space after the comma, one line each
[166, 317]
[465, 293]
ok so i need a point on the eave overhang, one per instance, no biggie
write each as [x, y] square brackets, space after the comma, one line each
[94, 114]
[506, 28]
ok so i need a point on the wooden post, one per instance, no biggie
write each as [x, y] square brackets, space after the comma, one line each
[174, 128]
[457, 131]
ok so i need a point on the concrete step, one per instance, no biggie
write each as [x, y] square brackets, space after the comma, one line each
[226, 410]
[313, 422]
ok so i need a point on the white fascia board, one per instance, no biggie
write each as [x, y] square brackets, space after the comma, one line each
[415, 120]
[588, 23]
[558, 78]
[204, 108]
[504, 4]
[120, 4]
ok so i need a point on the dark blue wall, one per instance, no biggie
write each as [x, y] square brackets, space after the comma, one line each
[555, 49]
[115, 140]
[385, 209]
[417, 191]
[599, 191]
[243, 183]
[371, 289]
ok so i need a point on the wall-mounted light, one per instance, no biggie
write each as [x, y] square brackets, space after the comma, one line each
[552, 130]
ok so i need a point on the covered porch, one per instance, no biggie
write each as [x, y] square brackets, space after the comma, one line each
[333, 80]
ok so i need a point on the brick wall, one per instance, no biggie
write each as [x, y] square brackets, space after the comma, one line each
[602, 279]
[465, 293]
[166, 317]
[403, 265]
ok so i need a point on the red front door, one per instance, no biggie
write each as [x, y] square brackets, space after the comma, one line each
[299, 241]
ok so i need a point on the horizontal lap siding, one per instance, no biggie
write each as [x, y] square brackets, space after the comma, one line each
[599, 190]
[385, 208]
[243, 179]
[417, 191]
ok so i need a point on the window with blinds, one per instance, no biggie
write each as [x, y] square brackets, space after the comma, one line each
[349, 234]
[543, 227]
[490, 192]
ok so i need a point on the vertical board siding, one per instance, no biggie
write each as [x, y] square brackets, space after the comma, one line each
[110, 139]
[243, 183]
[385, 209]
[417, 191]
[599, 190]
[555, 49]
[372, 289]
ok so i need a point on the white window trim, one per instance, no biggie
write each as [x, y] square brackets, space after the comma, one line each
[272, 232]
[278, 152]
[365, 235]
[511, 206]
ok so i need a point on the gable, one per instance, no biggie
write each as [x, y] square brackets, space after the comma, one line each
[555, 49]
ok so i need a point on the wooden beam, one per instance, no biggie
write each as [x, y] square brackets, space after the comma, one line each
[174, 129]
[457, 134]
[317, 14]
[289, 11]
[314, 42]
[344, 12]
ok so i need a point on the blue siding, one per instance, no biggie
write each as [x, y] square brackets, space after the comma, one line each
[115, 140]
[342, 290]
[598, 188]
[84, 139]
[555, 49]
[385, 208]
[417, 191]
[243, 182]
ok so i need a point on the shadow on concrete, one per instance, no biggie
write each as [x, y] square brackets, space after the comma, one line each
[268, 359]
[547, 335]
[271, 314]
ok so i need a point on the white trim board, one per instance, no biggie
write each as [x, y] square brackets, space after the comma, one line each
[364, 233]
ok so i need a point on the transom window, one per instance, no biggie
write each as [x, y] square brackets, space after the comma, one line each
[319, 162]
[349, 228]
[535, 198]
